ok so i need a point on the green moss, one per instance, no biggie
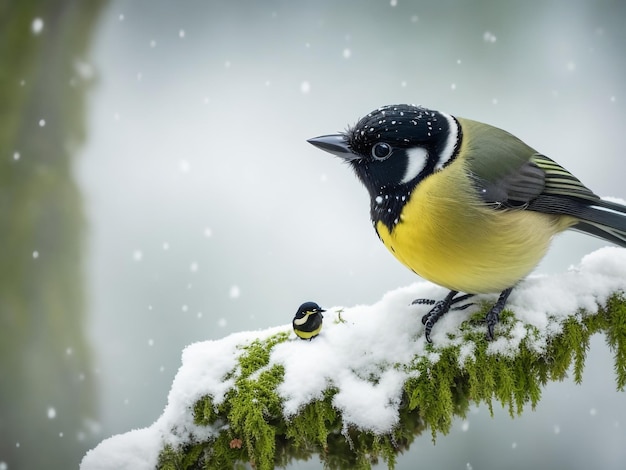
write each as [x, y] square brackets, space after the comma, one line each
[614, 315]
[437, 392]
[252, 410]
[310, 427]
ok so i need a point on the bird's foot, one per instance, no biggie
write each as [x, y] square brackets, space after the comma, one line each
[440, 308]
[493, 315]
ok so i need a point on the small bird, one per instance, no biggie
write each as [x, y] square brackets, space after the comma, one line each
[464, 204]
[307, 323]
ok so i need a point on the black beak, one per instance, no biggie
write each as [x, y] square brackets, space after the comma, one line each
[335, 144]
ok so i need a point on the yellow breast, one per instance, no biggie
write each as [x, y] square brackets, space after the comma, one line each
[447, 235]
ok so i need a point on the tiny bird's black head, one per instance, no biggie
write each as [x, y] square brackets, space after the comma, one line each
[395, 146]
[308, 308]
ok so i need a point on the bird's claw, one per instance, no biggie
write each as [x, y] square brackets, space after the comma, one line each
[440, 308]
[492, 318]
[493, 315]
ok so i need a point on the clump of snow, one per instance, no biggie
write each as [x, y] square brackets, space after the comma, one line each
[361, 352]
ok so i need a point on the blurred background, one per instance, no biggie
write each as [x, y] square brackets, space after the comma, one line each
[156, 189]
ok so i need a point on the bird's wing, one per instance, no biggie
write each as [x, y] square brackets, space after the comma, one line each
[560, 182]
[501, 165]
[508, 173]
[565, 194]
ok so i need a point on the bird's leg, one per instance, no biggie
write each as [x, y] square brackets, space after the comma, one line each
[493, 315]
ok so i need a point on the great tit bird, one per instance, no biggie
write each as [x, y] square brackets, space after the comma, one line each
[464, 204]
[307, 323]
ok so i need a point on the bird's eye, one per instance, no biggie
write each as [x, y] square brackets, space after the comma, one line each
[381, 150]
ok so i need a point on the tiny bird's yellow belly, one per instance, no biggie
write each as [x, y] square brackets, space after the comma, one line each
[447, 235]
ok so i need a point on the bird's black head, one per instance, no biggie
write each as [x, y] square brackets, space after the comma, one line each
[392, 149]
[308, 308]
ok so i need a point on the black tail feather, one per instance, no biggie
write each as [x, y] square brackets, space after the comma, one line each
[603, 219]
[597, 217]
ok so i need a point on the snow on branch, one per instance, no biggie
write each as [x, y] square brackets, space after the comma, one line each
[369, 384]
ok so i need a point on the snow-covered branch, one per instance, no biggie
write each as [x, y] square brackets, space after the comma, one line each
[370, 383]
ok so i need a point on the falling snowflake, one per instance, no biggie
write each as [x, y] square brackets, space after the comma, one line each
[234, 292]
[489, 37]
[37, 26]
[184, 166]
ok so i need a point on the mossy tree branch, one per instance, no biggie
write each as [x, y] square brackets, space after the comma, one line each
[250, 427]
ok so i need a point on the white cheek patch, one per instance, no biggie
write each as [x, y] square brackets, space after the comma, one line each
[416, 161]
[302, 321]
[448, 150]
